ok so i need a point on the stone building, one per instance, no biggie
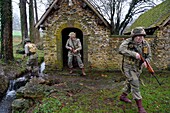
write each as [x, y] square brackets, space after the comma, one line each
[99, 47]
[65, 16]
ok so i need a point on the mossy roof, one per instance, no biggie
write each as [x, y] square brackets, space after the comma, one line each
[153, 17]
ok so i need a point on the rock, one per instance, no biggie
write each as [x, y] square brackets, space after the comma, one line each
[32, 90]
[3, 83]
[20, 104]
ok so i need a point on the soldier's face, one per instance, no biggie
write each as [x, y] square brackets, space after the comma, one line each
[73, 36]
[138, 39]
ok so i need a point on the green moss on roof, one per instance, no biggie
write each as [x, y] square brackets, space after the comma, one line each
[153, 17]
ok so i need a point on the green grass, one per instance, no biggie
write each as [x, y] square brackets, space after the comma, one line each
[153, 17]
[16, 33]
[156, 99]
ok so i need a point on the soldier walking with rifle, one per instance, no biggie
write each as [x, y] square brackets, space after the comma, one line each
[133, 50]
[74, 46]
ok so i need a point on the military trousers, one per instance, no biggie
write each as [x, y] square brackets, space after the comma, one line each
[79, 61]
[132, 81]
[32, 64]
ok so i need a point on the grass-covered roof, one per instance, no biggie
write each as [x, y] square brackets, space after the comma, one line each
[153, 17]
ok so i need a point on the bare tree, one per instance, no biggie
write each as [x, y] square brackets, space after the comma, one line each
[34, 33]
[121, 12]
[36, 11]
[6, 28]
[31, 20]
[23, 16]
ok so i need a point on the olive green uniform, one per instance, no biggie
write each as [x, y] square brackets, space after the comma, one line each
[76, 45]
[131, 67]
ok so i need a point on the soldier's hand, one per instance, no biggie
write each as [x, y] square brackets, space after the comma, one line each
[70, 48]
[138, 56]
[74, 51]
[145, 65]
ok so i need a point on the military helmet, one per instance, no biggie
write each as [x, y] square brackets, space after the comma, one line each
[27, 40]
[72, 34]
[138, 31]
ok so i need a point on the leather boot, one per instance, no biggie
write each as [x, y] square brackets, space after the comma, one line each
[124, 98]
[71, 70]
[83, 73]
[140, 107]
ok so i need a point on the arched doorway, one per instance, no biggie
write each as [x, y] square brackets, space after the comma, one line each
[65, 33]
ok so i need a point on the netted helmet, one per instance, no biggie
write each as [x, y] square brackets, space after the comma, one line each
[27, 40]
[138, 31]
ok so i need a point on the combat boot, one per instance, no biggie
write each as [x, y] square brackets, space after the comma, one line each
[124, 98]
[140, 107]
[83, 73]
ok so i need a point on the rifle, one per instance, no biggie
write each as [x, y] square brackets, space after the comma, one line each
[73, 48]
[150, 69]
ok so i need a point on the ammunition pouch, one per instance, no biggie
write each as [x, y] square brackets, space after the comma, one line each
[129, 60]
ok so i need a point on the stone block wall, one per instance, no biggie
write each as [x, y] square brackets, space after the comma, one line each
[95, 36]
[100, 49]
[162, 48]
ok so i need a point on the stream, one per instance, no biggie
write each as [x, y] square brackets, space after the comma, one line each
[5, 103]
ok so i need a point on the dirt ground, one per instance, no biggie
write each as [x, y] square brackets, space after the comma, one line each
[95, 93]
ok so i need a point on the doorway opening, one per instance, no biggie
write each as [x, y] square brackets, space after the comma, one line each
[65, 33]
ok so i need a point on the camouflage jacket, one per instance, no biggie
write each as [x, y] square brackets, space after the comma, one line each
[129, 49]
[74, 44]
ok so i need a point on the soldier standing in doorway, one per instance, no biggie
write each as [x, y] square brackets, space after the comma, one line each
[131, 49]
[73, 44]
[32, 62]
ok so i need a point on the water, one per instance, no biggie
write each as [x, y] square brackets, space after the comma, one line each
[42, 67]
[5, 104]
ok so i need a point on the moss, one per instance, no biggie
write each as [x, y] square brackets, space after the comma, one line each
[153, 17]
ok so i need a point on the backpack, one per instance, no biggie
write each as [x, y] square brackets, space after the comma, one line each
[32, 48]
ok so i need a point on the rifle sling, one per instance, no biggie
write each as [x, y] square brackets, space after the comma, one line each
[73, 44]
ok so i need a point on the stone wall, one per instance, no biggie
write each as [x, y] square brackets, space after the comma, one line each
[95, 36]
[100, 49]
[162, 48]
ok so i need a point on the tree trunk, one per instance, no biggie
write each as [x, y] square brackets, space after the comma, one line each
[6, 20]
[23, 15]
[36, 12]
[2, 47]
[31, 21]
[37, 33]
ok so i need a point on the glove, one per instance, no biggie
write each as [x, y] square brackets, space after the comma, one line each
[138, 56]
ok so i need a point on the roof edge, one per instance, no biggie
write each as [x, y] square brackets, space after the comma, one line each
[45, 14]
[86, 1]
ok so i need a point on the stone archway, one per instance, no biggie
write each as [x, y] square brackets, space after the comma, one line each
[65, 32]
[83, 32]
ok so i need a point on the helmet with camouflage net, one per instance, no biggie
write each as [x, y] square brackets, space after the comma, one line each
[27, 40]
[138, 31]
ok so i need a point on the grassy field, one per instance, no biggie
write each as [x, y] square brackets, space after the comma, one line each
[16, 33]
[98, 94]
